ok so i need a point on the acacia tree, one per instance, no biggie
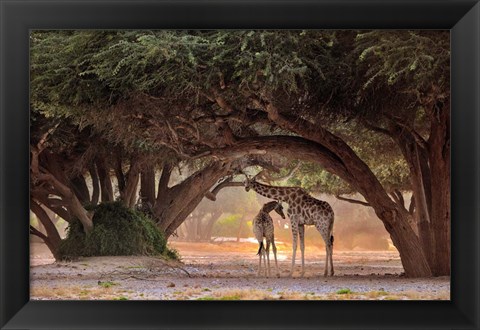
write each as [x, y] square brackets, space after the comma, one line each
[223, 95]
[412, 71]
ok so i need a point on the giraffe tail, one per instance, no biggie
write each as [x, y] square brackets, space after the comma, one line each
[260, 249]
[331, 240]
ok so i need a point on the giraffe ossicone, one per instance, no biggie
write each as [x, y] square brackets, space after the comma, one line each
[303, 210]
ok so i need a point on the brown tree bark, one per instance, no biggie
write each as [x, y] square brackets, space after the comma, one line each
[439, 157]
[95, 184]
[129, 193]
[53, 175]
[52, 238]
[79, 187]
[179, 201]
[105, 180]
[147, 186]
[56, 205]
[416, 155]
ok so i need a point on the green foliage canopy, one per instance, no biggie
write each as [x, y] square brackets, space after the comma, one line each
[141, 89]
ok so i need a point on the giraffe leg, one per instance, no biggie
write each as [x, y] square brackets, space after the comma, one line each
[260, 252]
[274, 248]
[301, 235]
[327, 253]
[267, 251]
[331, 255]
[264, 263]
[294, 243]
[326, 239]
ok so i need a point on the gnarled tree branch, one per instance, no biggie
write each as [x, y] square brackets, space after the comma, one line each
[353, 201]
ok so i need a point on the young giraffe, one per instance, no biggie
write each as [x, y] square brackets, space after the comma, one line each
[263, 227]
[303, 210]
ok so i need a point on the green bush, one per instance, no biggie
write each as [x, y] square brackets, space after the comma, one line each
[117, 230]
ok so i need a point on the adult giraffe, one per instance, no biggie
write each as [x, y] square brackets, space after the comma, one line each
[303, 210]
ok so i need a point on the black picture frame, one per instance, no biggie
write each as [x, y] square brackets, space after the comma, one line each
[18, 17]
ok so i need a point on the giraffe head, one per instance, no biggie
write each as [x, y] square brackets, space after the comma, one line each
[273, 206]
[248, 183]
[279, 209]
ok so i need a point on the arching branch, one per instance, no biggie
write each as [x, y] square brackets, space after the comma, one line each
[288, 146]
[212, 195]
[265, 176]
[353, 201]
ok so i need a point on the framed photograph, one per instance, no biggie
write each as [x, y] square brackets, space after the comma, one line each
[232, 164]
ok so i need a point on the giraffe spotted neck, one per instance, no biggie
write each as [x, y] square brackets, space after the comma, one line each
[284, 194]
[273, 205]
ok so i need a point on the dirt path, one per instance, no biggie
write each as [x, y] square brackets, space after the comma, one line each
[228, 271]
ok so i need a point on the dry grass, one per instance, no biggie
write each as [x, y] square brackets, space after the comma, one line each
[79, 293]
[239, 294]
[114, 293]
[254, 294]
[383, 295]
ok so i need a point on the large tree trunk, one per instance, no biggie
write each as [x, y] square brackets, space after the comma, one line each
[179, 201]
[417, 159]
[440, 169]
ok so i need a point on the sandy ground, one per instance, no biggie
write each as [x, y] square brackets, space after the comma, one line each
[228, 271]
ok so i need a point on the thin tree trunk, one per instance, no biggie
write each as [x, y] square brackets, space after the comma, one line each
[240, 227]
[105, 181]
[79, 187]
[54, 249]
[119, 174]
[52, 236]
[129, 193]
[190, 229]
[207, 232]
[147, 186]
[95, 184]
[163, 188]
[54, 204]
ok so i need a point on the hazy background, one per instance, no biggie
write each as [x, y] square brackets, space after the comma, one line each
[230, 217]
